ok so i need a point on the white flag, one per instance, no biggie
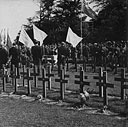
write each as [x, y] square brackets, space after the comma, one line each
[9, 42]
[87, 10]
[73, 38]
[25, 39]
[39, 35]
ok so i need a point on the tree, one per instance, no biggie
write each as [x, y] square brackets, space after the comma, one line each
[111, 23]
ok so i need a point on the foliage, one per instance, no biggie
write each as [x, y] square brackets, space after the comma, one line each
[57, 15]
[112, 21]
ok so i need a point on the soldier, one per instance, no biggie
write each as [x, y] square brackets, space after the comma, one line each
[14, 57]
[36, 52]
[63, 53]
[3, 56]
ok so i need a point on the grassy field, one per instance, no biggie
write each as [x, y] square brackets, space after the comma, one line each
[18, 112]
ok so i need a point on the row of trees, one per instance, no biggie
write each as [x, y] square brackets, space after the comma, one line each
[55, 16]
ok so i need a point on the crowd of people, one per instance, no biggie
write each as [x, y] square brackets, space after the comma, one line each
[108, 54]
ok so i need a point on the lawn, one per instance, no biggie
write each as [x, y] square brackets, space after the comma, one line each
[18, 112]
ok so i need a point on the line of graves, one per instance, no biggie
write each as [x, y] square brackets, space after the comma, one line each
[45, 78]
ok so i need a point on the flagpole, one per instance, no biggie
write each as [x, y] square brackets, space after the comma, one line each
[81, 45]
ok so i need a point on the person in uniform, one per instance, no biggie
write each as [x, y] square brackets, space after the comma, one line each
[14, 57]
[63, 53]
[3, 56]
[36, 52]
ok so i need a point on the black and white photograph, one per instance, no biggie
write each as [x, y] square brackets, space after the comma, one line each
[63, 63]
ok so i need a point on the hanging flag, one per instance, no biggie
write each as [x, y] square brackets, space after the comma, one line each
[39, 35]
[25, 39]
[8, 41]
[87, 10]
[73, 38]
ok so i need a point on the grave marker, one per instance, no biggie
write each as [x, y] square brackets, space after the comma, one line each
[49, 75]
[62, 82]
[123, 80]
[100, 78]
[81, 80]
[28, 77]
[105, 86]
[43, 79]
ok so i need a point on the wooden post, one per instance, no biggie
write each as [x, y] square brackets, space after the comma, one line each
[62, 81]
[28, 81]
[49, 75]
[100, 78]
[105, 86]
[3, 75]
[34, 74]
[43, 79]
[24, 74]
[84, 64]
[67, 64]
[15, 78]
[81, 81]
[122, 80]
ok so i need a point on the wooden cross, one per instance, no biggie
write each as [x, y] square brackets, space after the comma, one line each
[34, 74]
[23, 73]
[81, 80]
[105, 86]
[100, 78]
[65, 76]
[49, 75]
[62, 81]
[123, 80]
[14, 77]
[43, 79]
[28, 77]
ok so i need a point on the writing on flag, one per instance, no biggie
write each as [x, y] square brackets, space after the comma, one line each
[73, 38]
[39, 35]
[25, 39]
[87, 10]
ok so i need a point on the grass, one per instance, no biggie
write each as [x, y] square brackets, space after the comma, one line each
[21, 113]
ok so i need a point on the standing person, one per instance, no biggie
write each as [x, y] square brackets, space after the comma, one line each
[14, 56]
[3, 56]
[36, 52]
[63, 53]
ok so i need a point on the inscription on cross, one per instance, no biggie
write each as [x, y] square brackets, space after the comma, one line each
[123, 80]
[43, 79]
[62, 82]
[81, 80]
[105, 85]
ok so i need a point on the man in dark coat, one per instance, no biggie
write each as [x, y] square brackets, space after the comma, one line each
[36, 52]
[63, 53]
[3, 56]
[14, 56]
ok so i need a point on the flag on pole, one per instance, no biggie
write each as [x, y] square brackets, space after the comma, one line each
[73, 38]
[87, 10]
[39, 35]
[25, 39]
[8, 41]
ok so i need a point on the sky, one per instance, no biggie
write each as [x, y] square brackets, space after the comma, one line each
[14, 13]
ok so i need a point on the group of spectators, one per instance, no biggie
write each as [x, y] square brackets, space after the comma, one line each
[108, 54]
